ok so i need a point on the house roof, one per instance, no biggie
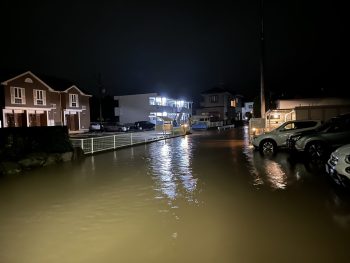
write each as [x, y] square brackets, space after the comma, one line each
[215, 90]
[5, 82]
[52, 83]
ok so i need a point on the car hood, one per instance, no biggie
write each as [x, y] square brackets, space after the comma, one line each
[343, 150]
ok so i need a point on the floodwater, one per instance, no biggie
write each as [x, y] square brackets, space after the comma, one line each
[206, 197]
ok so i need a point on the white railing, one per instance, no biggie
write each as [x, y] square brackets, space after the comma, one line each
[110, 142]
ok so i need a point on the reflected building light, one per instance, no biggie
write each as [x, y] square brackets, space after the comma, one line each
[93, 163]
[168, 186]
[275, 175]
[171, 167]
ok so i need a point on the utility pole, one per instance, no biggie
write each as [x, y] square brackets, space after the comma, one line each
[262, 55]
[101, 92]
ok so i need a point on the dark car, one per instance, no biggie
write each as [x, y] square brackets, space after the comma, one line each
[320, 143]
[114, 127]
[143, 125]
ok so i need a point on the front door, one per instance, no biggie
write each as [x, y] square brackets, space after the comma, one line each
[72, 121]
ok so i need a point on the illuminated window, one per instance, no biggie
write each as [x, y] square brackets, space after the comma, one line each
[152, 101]
[233, 103]
[39, 97]
[18, 95]
[73, 100]
[214, 98]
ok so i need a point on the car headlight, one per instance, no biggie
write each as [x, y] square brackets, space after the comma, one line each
[347, 159]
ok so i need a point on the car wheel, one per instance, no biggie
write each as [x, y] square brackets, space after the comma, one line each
[316, 150]
[268, 147]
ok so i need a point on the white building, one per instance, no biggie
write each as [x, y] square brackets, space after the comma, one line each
[149, 106]
[248, 107]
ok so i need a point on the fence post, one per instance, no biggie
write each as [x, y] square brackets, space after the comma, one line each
[92, 145]
[131, 138]
[113, 141]
[82, 144]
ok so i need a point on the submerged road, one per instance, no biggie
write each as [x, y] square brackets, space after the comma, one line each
[206, 197]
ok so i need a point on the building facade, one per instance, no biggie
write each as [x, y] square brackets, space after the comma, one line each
[247, 110]
[28, 101]
[151, 107]
[220, 105]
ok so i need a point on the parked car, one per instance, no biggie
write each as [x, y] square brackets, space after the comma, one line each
[143, 125]
[338, 165]
[114, 127]
[270, 141]
[328, 137]
[95, 126]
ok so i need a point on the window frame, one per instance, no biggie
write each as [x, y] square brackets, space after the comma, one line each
[20, 96]
[39, 95]
[73, 98]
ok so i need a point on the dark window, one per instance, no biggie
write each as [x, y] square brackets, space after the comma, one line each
[304, 124]
[116, 103]
[214, 98]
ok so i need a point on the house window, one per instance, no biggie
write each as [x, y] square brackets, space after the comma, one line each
[28, 80]
[214, 98]
[152, 101]
[39, 97]
[116, 103]
[18, 95]
[233, 103]
[73, 100]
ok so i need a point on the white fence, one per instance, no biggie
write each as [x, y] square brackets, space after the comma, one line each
[110, 142]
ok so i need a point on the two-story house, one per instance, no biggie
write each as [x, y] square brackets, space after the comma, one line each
[28, 100]
[220, 105]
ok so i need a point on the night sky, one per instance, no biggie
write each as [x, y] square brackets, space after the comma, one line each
[179, 48]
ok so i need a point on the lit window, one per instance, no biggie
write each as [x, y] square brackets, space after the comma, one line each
[18, 95]
[158, 101]
[152, 101]
[233, 103]
[73, 100]
[39, 97]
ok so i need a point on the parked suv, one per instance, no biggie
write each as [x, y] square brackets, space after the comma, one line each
[328, 137]
[338, 165]
[270, 141]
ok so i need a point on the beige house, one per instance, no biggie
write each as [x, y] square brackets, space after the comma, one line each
[220, 105]
[28, 101]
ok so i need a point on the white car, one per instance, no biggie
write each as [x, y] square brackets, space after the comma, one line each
[338, 165]
[270, 141]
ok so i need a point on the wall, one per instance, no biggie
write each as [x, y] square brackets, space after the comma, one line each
[291, 104]
[323, 113]
[133, 108]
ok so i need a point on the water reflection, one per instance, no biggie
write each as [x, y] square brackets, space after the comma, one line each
[170, 165]
[273, 171]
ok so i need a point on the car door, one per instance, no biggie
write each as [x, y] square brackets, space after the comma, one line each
[284, 132]
[338, 134]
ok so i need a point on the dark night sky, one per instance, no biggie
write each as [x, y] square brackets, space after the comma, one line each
[181, 48]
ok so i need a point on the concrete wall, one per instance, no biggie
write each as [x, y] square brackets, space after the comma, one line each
[133, 108]
[291, 104]
[323, 113]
